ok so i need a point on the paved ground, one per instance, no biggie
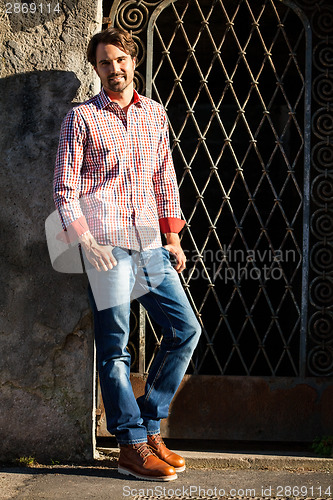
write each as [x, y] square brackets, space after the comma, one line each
[83, 483]
[210, 474]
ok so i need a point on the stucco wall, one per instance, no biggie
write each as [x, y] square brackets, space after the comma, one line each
[46, 362]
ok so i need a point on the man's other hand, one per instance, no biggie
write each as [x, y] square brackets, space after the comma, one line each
[174, 247]
[100, 256]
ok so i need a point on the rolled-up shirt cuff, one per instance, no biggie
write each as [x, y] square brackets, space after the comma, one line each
[171, 225]
[74, 230]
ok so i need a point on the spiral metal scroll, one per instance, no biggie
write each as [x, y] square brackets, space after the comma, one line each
[133, 16]
[320, 325]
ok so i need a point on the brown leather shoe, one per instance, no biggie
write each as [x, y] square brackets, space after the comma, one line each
[139, 461]
[157, 445]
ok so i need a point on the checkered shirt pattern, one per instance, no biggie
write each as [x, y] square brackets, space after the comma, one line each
[115, 175]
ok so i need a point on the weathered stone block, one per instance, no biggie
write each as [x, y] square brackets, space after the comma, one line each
[46, 341]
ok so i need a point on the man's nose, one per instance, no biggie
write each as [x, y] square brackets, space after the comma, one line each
[114, 67]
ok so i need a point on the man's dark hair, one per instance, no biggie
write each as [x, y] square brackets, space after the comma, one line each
[113, 36]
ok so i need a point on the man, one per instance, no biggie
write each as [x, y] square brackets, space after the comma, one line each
[115, 189]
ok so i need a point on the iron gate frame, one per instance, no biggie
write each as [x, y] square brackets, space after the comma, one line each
[316, 352]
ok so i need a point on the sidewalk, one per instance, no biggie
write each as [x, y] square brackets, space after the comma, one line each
[254, 460]
[209, 474]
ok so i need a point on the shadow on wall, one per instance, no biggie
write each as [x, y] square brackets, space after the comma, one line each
[32, 107]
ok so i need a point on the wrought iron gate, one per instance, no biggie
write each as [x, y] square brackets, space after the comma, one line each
[236, 78]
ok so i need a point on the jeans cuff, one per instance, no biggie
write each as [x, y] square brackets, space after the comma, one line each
[131, 441]
[151, 433]
[152, 426]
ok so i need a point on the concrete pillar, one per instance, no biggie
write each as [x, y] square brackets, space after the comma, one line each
[46, 343]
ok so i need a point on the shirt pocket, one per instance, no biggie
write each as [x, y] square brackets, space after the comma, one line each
[101, 160]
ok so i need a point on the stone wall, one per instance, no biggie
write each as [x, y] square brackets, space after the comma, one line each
[46, 362]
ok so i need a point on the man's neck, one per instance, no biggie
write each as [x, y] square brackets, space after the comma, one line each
[124, 99]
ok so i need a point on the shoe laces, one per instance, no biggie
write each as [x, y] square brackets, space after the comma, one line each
[157, 439]
[143, 449]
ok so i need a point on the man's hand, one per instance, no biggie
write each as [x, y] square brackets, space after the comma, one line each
[174, 247]
[100, 256]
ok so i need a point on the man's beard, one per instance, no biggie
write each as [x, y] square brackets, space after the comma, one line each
[117, 86]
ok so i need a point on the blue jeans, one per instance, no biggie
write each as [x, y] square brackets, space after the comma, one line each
[149, 277]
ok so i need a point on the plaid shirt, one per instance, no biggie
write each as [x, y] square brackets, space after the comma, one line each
[114, 173]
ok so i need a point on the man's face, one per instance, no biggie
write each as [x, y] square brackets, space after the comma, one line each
[114, 67]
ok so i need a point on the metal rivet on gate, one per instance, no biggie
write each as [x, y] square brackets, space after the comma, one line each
[267, 53]
[242, 52]
[229, 23]
[177, 80]
[227, 139]
[179, 21]
[190, 111]
[165, 52]
[229, 81]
